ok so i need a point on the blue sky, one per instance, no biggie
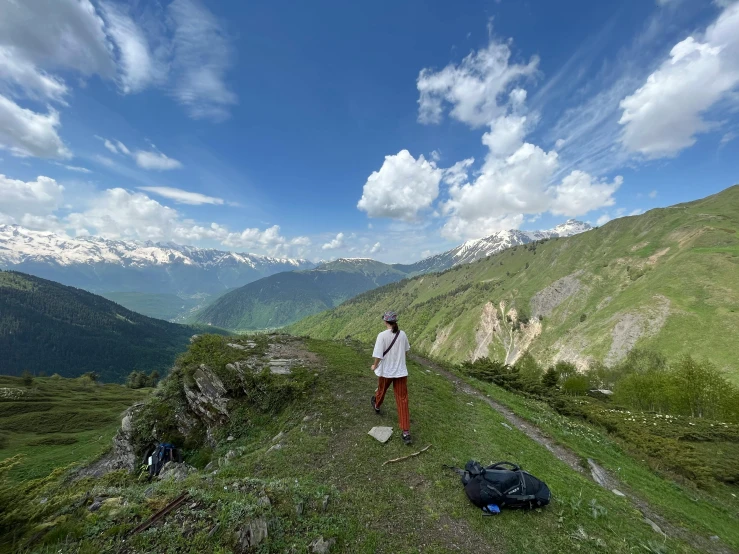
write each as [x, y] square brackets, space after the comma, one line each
[383, 129]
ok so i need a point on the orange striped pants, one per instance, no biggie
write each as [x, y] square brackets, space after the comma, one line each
[400, 389]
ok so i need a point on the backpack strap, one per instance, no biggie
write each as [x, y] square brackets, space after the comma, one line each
[391, 344]
[500, 465]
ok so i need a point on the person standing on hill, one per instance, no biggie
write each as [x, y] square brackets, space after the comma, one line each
[390, 368]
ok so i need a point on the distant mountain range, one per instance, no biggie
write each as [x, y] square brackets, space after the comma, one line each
[52, 328]
[180, 283]
[287, 297]
[477, 249]
[101, 265]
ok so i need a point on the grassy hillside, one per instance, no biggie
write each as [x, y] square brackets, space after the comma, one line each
[664, 280]
[50, 328]
[286, 297]
[306, 469]
[54, 422]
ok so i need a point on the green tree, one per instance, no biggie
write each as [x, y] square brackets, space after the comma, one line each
[528, 368]
[550, 378]
[576, 385]
[27, 378]
[697, 387]
[153, 378]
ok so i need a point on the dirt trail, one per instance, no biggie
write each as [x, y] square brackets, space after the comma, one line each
[597, 473]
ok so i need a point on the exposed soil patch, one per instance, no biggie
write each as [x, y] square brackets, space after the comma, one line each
[630, 327]
[652, 260]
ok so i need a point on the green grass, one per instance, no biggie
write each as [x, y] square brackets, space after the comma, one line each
[706, 511]
[405, 507]
[57, 422]
[160, 306]
[674, 260]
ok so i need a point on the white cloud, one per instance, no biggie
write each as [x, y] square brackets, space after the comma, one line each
[458, 173]
[603, 219]
[474, 87]
[19, 75]
[377, 247]
[401, 188]
[137, 66]
[155, 160]
[653, 194]
[122, 148]
[202, 56]
[580, 193]
[338, 242]
[76, 168]
[27, 133]
[105, 161]
[28, 199]
[183, 196]
[269, 240]
[664, 115]
[560, 143]
[110, 146]
[60, 34]
[506, 135]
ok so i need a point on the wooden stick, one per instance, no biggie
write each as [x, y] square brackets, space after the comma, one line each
[408, 456]
[176, 503]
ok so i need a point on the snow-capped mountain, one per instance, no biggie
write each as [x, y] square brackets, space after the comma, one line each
[102, 265]
[476, 249]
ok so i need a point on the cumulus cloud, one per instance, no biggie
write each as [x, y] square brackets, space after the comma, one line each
[338, 242]
[474, 88]
[664, 115]
[401, 188]
[202, 56]
[183, 196]
[458, 173]
[269, 240]
[26, 133]
[155, 160]
[580, 193]
[24, 200]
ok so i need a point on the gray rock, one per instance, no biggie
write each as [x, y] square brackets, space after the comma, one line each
[208, 399]
[253, 533]
[96, 505]
[230, 455]
[321, 546]
[264, 501]
[324, 504]
[43, 500]
[507, 426]
[654, 526]
[236, 346]
[194, 338]
[617, 492]
[277, 446]
[382, 434]
[121, 455]
[148, 492]
[299, 509]
[278, 436]
[175, 471]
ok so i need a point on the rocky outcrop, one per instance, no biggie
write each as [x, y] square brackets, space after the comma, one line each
[175, 471]
[547, 300]
[121, 456]
[208, 398]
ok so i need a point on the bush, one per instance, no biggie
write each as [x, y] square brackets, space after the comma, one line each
[550, 378]
[583, 317]
[26, 378]
[576, 385]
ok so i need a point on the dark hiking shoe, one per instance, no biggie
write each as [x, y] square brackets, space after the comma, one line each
[407, 437]
[374, 406]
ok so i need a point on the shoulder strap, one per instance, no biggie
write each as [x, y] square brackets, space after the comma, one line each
[501, 465]
[391, 344]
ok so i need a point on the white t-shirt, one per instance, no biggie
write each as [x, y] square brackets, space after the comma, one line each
[393, 364]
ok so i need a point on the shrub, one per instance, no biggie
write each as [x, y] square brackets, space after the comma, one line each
[550, 378]
[26, 378]
[583, 317]
[576, 385]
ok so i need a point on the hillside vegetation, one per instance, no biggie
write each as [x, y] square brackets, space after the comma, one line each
[287, 297]
[50, 328]
[283, 463]
[160, 306]
[665, 280]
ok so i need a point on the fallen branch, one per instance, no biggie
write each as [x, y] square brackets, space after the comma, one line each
[176, 503]
[408, 456]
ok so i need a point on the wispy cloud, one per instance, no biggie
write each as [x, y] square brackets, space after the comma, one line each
[155, 160]
[183, 196]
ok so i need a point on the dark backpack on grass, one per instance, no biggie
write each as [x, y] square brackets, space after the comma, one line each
[163, 453]
[504, 487]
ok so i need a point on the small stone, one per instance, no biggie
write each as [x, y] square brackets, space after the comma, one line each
[507, 426]
[324, 504]
[213, 531]
[277, 446]
[654, 526]
[253, 533]
[148, 492]
[43, 500]
[617, 492]
[264, 501]
[321, 546]
[236, 346]
[714, 538]
[299, 508]
[307, 418]
[382, 434]
[230, 438]
[278, 436]
[231, 454]
[95, 506]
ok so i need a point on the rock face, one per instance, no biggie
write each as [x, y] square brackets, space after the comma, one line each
[121, 456]
[208, 399]
[252, 534]
[174, 471]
